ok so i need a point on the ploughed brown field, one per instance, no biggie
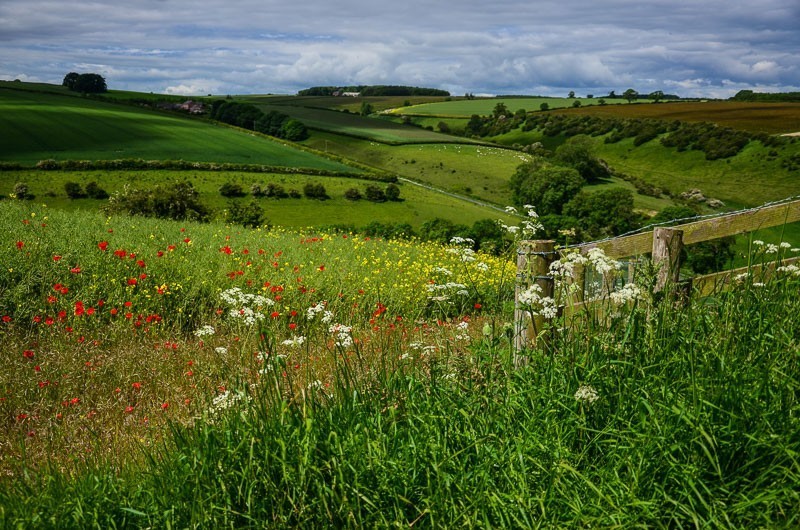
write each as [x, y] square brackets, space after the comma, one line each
[771, 118]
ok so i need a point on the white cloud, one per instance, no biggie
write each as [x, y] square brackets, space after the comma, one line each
[508, 46]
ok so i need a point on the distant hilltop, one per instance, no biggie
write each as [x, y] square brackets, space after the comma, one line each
[372, 90]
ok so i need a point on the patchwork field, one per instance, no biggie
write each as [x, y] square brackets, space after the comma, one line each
[464, 108]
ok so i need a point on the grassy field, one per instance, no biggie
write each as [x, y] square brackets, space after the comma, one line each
[161, 374]
[351, 104]
[464, 108]
[417, 205]
[37, 126]
[479, 171]
[771, 118]
[356, 125]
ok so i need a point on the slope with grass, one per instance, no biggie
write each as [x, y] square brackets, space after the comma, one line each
[464, 108]
[39, 125]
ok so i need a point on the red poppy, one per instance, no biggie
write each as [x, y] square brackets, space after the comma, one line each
[132, 281]
[20, 244]
[137, 385]
[28, 354]
[103, 245]
[75, 270]
[56, 257]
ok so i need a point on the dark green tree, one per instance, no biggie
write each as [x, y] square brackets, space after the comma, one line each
[74, 190]
[578, 152]
[548, 188]
[630, 95]
[90, 84]
[392, 192]
[70, 79]
[604, 213]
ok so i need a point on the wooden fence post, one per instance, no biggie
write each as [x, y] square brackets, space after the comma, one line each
[533, 266]
[667, 247]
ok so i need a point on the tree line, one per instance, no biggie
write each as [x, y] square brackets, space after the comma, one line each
[374, 90]
[85, 83]
[250, 117]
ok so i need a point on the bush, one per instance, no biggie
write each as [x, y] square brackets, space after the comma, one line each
[275, 191]
[392, 192]
[94, 191]
[21, 192]
[352, 194]
[232, 189]
[178, 201]
[250, 215]
[315, 191]
[74, 190]
[375, 194]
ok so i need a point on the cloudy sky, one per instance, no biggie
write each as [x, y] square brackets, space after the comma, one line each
[710, 48]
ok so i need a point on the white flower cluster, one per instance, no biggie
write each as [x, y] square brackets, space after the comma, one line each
[295, 342]
[246, 306]
[462, 331]
[342, 335]
[313, 311]
[442, 270]
[439, 290]
[531, 300]
[602, 263]
[564, 268]
[790, 269]
[225, 401]
[422, 347]
[528, 227]
[222, 350]
[587, 394]
[628, 293]
[205, 331]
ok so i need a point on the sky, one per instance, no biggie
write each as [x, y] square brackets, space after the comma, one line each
[692, 48]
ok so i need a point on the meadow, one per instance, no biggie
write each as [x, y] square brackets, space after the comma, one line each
[416, 204]
[464, 108]
[39, 126]
[163, 374]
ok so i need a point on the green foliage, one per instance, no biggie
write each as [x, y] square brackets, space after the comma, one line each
[86, 83]
[603, 213]
[249, 116]
[374, 193]
[250, 215]
[392, 192]
[548, 188]
[232, 189]
[21, 192]
[352, 194]
[74, 190]
[94, 191]
[315, 190]
[177, 201]
[578, 153]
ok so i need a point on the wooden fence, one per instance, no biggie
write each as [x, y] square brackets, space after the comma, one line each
[665, 246]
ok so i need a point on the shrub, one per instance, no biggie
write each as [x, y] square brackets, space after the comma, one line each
[232, 189]
[178, 201]
[94, 191]
[250, 215]
[375, 194]
[74, 190]
[21, 192]
[314, 190]
[392, 192]
[352, 194]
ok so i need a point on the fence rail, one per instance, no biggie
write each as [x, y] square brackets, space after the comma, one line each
[665, 245]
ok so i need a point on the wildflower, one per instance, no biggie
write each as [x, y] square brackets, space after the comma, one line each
[204, 331]
[586, 394]
[628, 293]
[20, 244]
[790, 269]
[103, 245]
[532, 301]
[342, 335]
[222, 350]
[295, 341]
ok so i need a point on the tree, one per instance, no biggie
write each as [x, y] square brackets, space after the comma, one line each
[630, 95]
[544, 106]
[250, 215]
[500, 110]
[571, 94]
[293, 130]
[232, 189]
[578, 152]
[352, 194]
[21, 191]
[86, 83]
[656, 96]
[74, 190]
[94, 191]
[548, 188]
[576, 103]
[70, 79]
[603, 213]
[366, 108]
[392, 192]
[375, 194]
[315, 191]
[443, 127]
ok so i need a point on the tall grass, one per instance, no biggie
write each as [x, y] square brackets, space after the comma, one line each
[654, 414]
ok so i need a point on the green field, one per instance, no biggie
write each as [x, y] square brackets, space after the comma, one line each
[356, 125]
[37, 126]
[417, 205]
[464, 108]
[478, 171]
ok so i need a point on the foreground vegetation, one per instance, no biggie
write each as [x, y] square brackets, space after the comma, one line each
[352, 382]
